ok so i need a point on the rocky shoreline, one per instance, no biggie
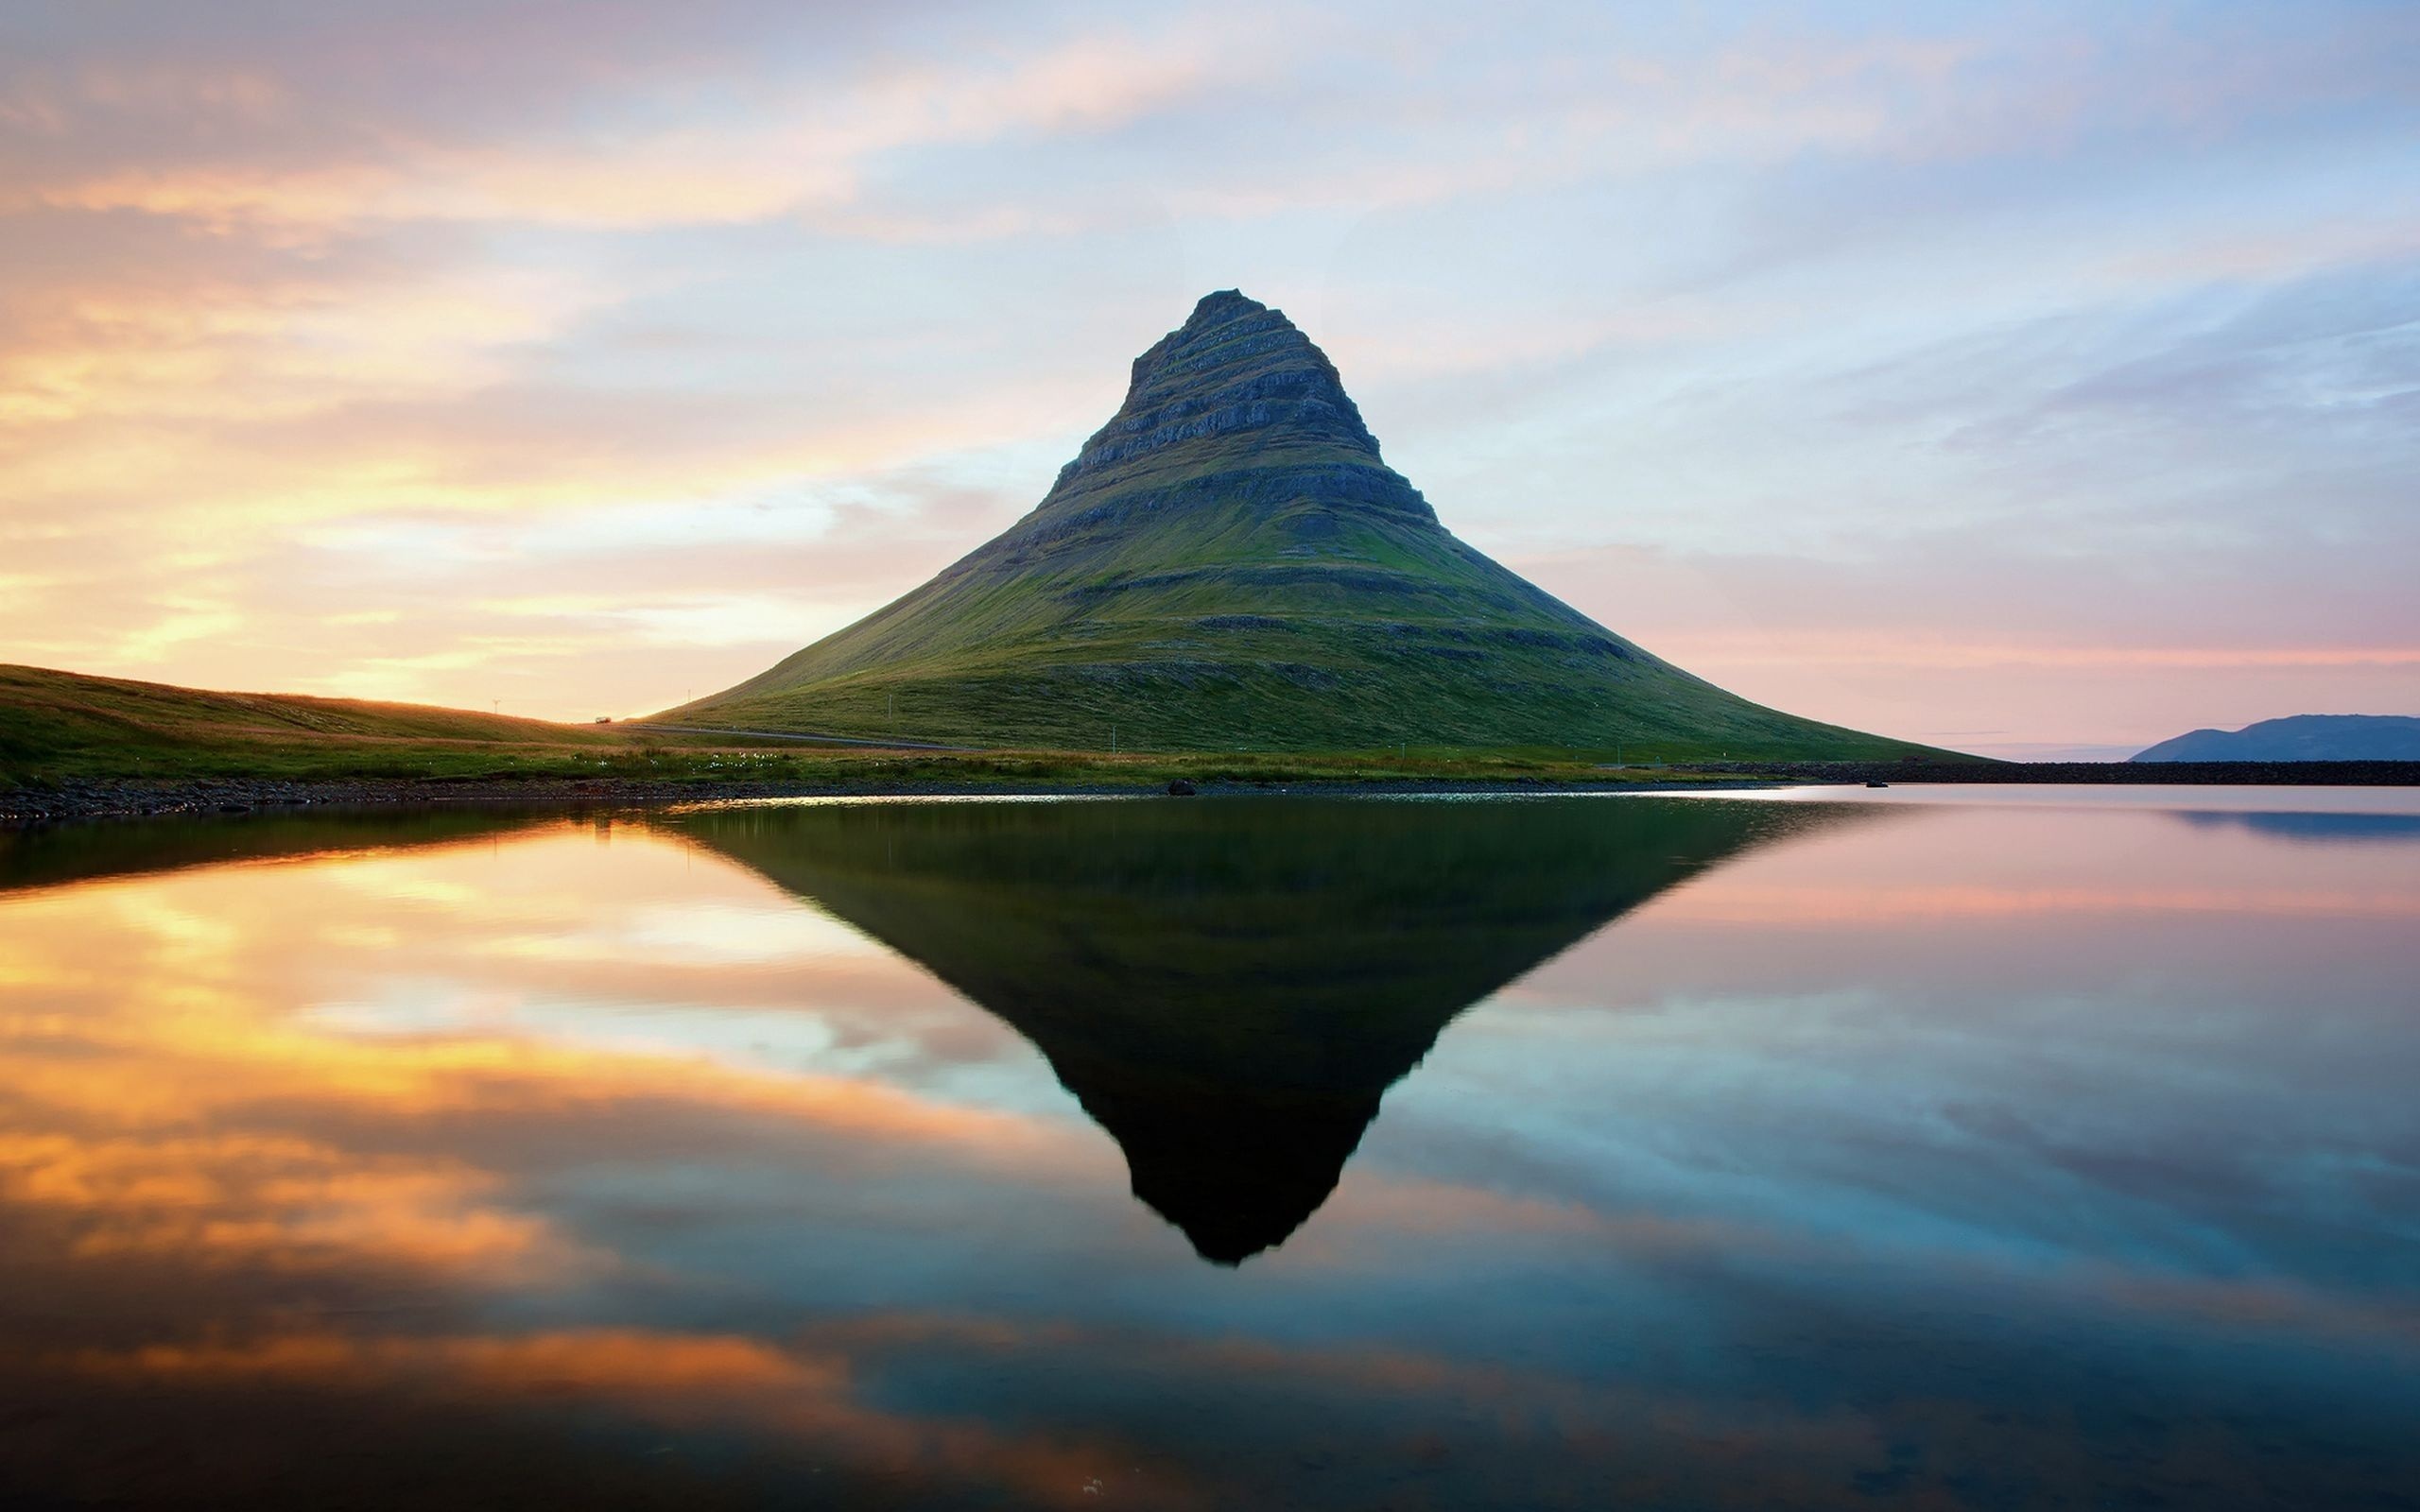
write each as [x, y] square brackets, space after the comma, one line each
[131, 799]
[23, 807]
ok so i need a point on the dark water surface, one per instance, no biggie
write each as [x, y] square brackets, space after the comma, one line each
[1987, 1148]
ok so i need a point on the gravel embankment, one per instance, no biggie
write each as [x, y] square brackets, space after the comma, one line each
[131, 799]
[135, 800]
[123, 800]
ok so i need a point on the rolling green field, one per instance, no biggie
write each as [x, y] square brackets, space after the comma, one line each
[60, 726]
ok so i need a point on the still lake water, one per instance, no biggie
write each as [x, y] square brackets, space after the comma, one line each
[1943, 1148]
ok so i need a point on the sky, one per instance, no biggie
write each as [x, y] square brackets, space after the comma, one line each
[2027, 378]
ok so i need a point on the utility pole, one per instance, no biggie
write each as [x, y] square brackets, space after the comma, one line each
[1113, 737]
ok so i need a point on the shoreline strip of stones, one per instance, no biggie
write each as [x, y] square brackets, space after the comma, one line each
[21, 807]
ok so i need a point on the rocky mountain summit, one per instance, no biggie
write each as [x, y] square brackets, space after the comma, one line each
[1230, 563]
[1235, 364]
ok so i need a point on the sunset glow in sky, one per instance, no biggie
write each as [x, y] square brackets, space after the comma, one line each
[2012, 377]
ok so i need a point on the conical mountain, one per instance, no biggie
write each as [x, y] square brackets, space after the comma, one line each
[1230, 563]
[1229, 989]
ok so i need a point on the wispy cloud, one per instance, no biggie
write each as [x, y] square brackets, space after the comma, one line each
[443, 354]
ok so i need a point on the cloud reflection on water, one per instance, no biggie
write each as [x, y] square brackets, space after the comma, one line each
[568, 1161]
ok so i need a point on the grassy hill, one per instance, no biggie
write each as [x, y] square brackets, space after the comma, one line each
[64, 730]
[1229, 564]
[64, 725]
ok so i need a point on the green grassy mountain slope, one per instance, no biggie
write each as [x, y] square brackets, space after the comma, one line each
[1230, 563]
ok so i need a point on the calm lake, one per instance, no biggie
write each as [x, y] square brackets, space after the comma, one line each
[1926, 1147]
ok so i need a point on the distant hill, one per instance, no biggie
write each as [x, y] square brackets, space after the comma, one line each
[1229, 563]
[2299, 738]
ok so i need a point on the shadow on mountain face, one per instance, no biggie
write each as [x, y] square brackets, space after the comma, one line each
[1229, 988]
[2311, 829]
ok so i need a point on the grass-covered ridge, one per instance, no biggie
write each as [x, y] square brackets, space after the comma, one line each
[61, 730]
[1229, 564]
[69, 725]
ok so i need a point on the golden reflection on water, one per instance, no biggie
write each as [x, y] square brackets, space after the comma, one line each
[173, 1038]
[311, 1067]
[454, 1144]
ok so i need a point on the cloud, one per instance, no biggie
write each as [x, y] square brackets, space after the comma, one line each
[799, 145]
[275, 1202]
[586, 354]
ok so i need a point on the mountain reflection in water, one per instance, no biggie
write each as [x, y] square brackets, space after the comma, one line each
[1230, 989]
[1962, 1150]
[2311, 829]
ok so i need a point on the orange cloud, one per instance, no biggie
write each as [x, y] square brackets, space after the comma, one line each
[280, 1202]
[792, 154]
[689, 1369]
[670, 1379]
[158, 1036]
